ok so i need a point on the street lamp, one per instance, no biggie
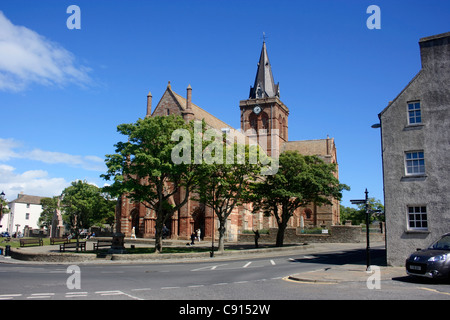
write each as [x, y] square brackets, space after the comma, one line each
[2, 198]
[214, 176]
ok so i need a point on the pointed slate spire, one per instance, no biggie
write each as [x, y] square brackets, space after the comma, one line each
[264, 84]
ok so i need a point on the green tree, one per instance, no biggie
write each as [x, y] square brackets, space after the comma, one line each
[222, 184]
[83, 205]
[358, 216]
[143, 170]
[300, 180]
[3, 207]
[49, 206]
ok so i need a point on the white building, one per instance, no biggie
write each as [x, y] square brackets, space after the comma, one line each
[24, 212]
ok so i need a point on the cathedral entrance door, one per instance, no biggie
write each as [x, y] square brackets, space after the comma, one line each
[199, 220]
[135, 221]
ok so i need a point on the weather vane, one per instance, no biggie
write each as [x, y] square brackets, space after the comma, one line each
[264, 37]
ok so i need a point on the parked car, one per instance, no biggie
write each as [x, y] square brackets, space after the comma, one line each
[5, 234]
[433, 262]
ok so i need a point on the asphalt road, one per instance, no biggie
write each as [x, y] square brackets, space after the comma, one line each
[256, 279]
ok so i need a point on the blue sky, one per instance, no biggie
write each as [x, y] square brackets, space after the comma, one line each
[63, 92]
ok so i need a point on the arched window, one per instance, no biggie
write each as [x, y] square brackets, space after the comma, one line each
[265, 121]
[253, 119]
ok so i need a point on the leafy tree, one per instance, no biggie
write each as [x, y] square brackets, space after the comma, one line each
[143, 170]
[222, 183]
[358, 216]
[300, 180]
[49, 206]
[84, 205]
[3, 207]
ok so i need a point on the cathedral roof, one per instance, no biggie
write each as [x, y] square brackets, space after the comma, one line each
[264, 86]
[198, 112]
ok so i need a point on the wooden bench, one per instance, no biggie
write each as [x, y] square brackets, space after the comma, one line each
[33, 241]
[71, 245]
[55, 240]
[102, 243]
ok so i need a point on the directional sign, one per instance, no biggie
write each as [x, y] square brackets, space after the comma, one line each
[358, 201]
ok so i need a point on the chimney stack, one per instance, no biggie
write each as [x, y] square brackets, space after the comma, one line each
[188, 115]
[188, 97]
[435, 51]
[149, 104]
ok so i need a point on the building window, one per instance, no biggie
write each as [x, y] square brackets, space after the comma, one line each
[417, 218]
[414, 113]
[27, 216]
[28, 205]
[415, 162]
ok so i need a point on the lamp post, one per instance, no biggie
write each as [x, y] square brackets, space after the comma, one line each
[214, 176]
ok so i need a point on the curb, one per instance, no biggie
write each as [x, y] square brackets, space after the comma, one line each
[25, 256]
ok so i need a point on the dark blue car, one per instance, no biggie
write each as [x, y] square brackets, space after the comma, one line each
[433, 262]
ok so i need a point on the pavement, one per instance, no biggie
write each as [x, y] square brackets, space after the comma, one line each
[349, 273]
[337, 273]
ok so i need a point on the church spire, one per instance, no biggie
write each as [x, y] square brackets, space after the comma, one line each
[264, 84]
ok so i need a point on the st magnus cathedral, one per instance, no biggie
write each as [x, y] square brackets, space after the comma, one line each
[262, 110]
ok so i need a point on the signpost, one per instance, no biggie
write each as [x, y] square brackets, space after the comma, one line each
[366, 203]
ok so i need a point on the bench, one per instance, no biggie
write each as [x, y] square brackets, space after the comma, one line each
[102, 243]
[70, 245]
[38, 241]
[55, 240]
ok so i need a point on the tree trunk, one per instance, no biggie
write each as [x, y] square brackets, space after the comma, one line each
[280, 234]
[222, 230]
[158, 236]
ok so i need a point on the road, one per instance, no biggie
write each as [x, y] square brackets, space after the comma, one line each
[245, 279]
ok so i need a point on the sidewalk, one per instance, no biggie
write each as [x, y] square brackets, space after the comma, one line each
[348, 273]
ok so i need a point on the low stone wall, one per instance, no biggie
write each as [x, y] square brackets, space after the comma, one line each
[17, 253]
[336, 234]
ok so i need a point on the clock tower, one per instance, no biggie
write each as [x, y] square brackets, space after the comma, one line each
[263, 116]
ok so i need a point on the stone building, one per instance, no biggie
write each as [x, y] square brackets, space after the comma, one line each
[23, 215]
[416, 155]
[264, 112]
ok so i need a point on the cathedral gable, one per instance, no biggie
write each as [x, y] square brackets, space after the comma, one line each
[168, 105]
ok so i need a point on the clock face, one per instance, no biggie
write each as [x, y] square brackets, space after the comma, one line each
[257, 109]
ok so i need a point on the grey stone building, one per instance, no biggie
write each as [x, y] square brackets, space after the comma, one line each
[415, 137]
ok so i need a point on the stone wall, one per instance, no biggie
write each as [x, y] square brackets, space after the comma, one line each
[336, 234]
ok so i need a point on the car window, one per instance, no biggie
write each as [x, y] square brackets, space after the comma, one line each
[442, 244]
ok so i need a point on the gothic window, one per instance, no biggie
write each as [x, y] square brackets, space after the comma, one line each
[253, 122]
[265, 121]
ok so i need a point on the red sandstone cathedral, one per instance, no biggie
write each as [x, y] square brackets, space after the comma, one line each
[262, 110]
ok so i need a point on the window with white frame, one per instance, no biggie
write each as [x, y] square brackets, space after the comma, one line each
[417, 218]
[415, 162]
[414, 113]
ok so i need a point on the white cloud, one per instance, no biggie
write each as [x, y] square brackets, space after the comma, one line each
[6, 149]
[33, 182]
[10, 148]
[27, 57]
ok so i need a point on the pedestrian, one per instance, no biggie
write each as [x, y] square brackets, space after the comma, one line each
[192, 238]
[256, 237]
[199, 233]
